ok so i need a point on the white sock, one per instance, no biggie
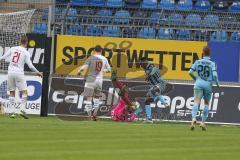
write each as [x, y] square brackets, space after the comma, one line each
[12, 104]
[88, 107]
[23, 103]
[96, 105]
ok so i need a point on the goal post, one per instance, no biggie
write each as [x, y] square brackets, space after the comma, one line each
[12, 27]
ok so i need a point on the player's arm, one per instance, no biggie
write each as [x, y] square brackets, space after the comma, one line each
[84, 67]
[191, 71]
[7, 54]
[31, 66]
[215, 75]
[107, 67]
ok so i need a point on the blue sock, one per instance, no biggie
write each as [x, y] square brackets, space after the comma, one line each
[148, 111]
[194, 111]
[205, 114]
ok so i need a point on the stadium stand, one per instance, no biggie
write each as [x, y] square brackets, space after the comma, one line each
[166, 4]
[165, 33]
[220, 5]
[219, 36]
[114, 3]
[162, 19]
[150, 4]
[147, 32]
[235, 7]
[185, 5]
[97, 3]
[202, 5]
[79, 2]
[111, 31]
[235, 36]
[122, 16]
[132, 3]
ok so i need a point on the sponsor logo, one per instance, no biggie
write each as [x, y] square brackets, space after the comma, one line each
[34, 93]
[37, 54]
[108, 99]
[183, 106]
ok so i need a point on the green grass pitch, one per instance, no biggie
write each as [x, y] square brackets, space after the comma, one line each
[53, 139]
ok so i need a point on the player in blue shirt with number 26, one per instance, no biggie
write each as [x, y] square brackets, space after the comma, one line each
[206, 74]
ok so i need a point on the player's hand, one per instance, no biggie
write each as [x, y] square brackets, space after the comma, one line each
[39, 74]
[79, 73]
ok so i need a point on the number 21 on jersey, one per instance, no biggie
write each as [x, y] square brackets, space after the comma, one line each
[16, 57]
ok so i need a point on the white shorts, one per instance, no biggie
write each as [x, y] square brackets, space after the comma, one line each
[16, 81]
[93, 89]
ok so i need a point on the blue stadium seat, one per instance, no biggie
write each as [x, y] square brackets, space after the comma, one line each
[45, 14]
[203, 5]
[235, 36]
[75, 30]
[104, 16]
[155, 18]
[79, 2]
[220, 5]
[211, 21]
[114, 3]
[111, 31]
[122, 16]
[164, 33]
[40, 28]
[94, 31]
[85, 12]
[149, 4]
[193, 20]
[167, 4]
[132, 3]
[201, 35]
[62, 1]
[175, 19]
[147, 32]
[130, 32]
[185, 5]
[71, 14]
[139, 17]
[183, 34]
[220, 36]
[235, 7]
[97, 3]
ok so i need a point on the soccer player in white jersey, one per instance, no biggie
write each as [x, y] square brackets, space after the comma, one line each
[95, 66]
[18, 57]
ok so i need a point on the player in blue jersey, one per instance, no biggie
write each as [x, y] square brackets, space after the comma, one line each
[157, 84]
[206, 74]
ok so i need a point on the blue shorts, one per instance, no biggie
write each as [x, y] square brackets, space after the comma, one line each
[202, 93]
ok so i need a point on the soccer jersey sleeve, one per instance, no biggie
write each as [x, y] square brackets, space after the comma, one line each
[7, 54]
[215, 75]
[107, 66]
[29, 63]
[192, 69]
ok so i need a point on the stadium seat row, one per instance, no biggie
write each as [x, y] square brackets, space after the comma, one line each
[146, 32]
[202, 5]
[124, 17]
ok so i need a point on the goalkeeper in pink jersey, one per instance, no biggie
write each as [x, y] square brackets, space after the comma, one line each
[125, 110]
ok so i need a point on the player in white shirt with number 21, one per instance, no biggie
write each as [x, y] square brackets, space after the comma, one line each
[18, 57]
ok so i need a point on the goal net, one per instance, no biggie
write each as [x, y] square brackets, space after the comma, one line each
[12, 27]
